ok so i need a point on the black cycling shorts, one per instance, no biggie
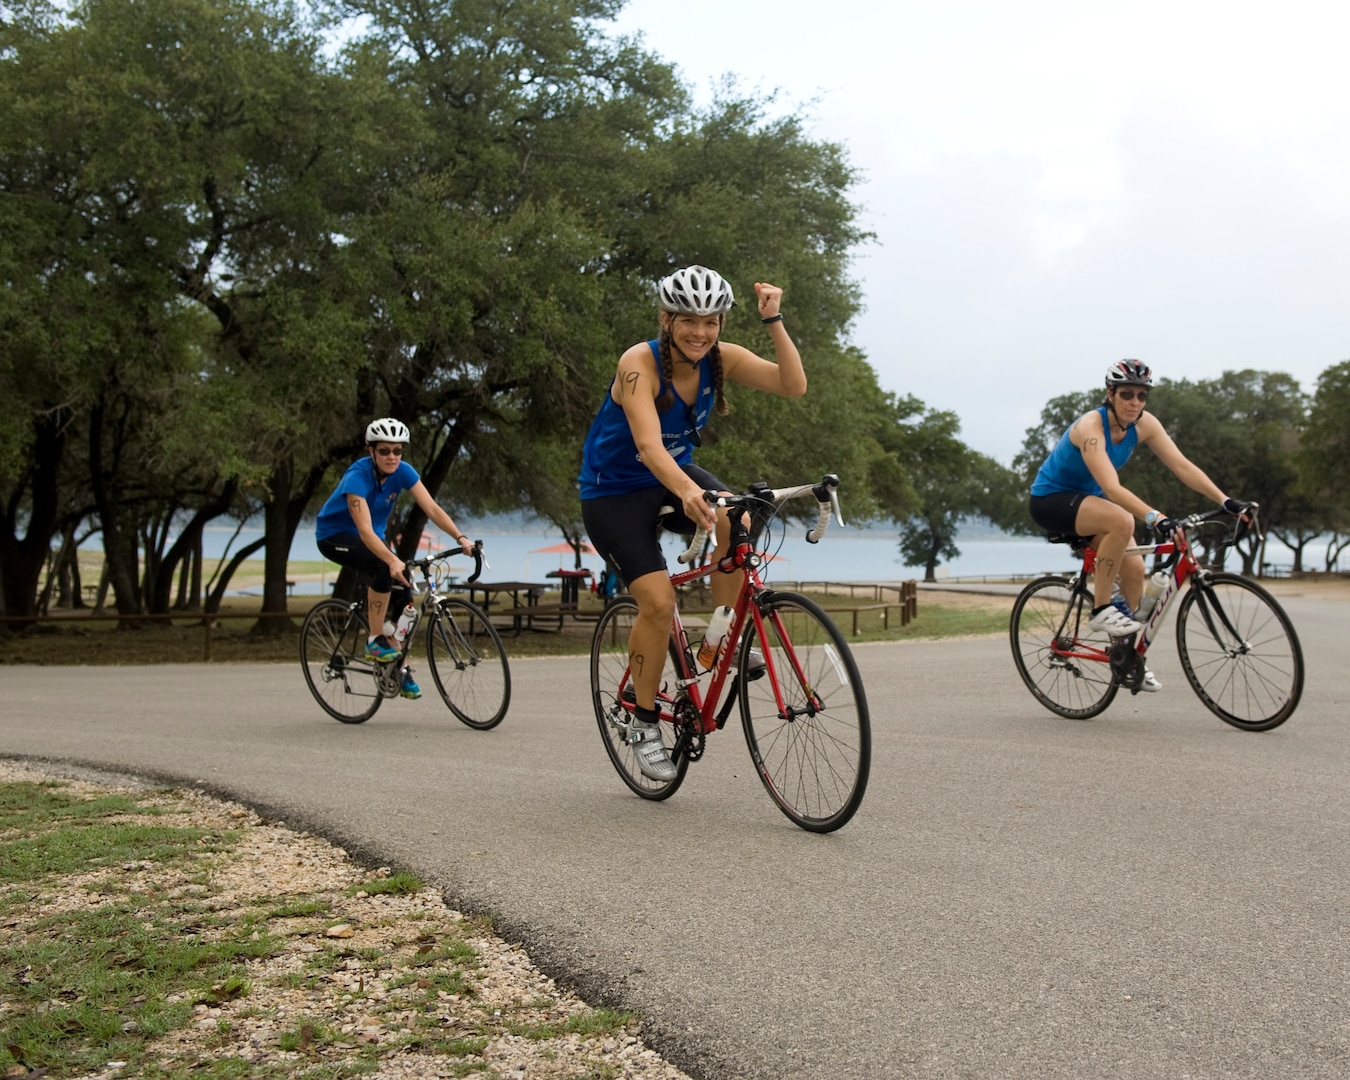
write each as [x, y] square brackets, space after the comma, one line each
[348, 550]
[625, 530]
[1058, 511]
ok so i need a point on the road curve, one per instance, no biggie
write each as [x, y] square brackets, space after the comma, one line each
[1148, 894]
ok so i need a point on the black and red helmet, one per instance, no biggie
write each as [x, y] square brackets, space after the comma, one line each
[1129, 373]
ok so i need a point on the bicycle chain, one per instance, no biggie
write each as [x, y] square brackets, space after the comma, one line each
[691, 733]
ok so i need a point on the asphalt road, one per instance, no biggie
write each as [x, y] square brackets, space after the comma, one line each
[1148, 894]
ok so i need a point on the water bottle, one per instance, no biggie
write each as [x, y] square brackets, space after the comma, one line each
[714, 637]
[405, 624]
[1154, 587]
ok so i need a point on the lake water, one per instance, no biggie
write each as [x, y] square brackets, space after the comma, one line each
[844, 555]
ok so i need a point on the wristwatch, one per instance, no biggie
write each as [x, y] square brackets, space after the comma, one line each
[1151, 517]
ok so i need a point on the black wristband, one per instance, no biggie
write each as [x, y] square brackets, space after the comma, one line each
[772, 319]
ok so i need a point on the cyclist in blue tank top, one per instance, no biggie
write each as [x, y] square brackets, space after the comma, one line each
[639, 455]
[1078, 491]
[350, 527]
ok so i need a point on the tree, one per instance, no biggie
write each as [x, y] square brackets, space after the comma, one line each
[953, 482]
[1240, 429]
[1324, 456]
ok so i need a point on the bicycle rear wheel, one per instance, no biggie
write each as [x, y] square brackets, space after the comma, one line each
[1055, 652]
[332, 655]
[1240, 652]
[814, 752]
[612, 696]
[468, 663]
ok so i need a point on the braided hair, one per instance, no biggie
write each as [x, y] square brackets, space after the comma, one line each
[667, 398]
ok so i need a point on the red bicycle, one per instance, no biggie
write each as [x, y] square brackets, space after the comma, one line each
[1238, 648]
[805, 719]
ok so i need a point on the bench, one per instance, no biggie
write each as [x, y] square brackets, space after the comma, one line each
[524, 616]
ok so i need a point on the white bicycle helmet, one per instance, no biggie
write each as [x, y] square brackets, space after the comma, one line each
[1129, 373]
[386, 429]
[695, 290]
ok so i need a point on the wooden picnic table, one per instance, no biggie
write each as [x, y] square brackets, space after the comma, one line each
[493, 590]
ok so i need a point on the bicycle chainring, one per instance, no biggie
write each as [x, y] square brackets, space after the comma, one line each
[1126, 664]
[688, 721]
[389, 679]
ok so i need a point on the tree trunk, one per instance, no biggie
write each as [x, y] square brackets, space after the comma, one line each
[119, 549]
[22, 560]
[218, 590]
[282, 516]
[183, 549]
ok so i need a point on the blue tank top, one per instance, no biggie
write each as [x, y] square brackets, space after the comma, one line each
[1065, 470]
[361, 479]
[609, 459]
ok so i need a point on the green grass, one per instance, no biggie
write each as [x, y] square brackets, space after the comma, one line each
[115, 938]
[93, 984]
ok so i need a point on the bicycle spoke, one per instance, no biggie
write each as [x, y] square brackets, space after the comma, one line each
[332, 656]
[468, 663]
[1061, 662]
[613, 700]
[1240, 652]
[806, 719]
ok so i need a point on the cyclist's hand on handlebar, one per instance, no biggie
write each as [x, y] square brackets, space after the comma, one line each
[1238, 508]
[1167, 528]
[698, 510]
[398, 570]
[467, 546]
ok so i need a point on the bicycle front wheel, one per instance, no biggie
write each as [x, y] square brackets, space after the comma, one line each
[332, 656]
[1240, 652]
[468, 663]
[1063, 663]
[614, 701]
[805, 718]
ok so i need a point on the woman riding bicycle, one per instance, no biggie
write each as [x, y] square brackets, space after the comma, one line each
[639, 453]
[350, 530]
[1078, 492]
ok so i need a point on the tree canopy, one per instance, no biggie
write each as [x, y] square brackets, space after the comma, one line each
[231, 238]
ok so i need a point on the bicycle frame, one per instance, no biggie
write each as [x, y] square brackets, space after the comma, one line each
[1181, 569]
[742, 556]
[1238, 649]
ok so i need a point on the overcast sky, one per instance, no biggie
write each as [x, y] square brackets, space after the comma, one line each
[1057, 185]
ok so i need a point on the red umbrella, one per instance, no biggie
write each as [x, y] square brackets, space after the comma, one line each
[565, 549]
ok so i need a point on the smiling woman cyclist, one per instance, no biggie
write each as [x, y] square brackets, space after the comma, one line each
[639, 456]
[350, 529]
[1078, 491]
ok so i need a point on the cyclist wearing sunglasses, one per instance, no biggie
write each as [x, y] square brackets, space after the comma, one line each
[351, 525]
[639, 456]
[1078, 491]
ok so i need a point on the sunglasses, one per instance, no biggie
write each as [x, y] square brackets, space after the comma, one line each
[691, 418]
[389, 451]
[1130, 395]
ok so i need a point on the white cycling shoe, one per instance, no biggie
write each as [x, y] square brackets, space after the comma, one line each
[1111, 620]
[652, 756]
[1150, 683]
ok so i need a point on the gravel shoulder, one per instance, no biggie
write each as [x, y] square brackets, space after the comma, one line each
[345, 967]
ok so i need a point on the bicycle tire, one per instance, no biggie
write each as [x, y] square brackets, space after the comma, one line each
[1048, 623]
[332, 656]
[1255, 686]
[609, 679]
[815, 761]
[468, 663]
